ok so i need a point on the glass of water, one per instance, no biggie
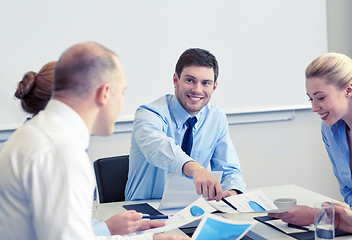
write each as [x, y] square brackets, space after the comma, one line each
[324, 220]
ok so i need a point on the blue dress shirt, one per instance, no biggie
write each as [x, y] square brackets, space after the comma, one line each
[157, 135]
[336, 145]
[100, 228]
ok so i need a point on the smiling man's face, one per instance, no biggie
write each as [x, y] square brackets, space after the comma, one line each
[193, 89]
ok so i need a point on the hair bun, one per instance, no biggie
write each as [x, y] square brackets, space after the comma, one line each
[26, 85]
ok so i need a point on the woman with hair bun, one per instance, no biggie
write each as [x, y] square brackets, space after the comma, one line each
[34, 90]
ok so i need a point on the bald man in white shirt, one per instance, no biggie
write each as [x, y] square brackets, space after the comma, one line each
[46, 177]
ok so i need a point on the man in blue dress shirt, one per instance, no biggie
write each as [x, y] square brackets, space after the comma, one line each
[159, 128]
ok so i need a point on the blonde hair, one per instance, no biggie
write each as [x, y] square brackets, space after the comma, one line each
[334, 68]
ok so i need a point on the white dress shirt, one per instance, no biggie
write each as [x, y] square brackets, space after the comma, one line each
[47, 179]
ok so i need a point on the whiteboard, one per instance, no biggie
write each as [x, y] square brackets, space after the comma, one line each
[262, 47]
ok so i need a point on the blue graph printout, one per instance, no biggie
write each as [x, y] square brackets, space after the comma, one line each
[218, 228]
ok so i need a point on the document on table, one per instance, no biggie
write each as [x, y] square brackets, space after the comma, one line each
[192, 212]
[180, 191]
[255, 201]
[216, 227]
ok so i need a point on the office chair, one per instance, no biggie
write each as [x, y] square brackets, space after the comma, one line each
[111, 176]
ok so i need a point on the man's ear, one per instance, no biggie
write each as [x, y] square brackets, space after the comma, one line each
[103, 94]
[349, 89]
[215, 85]
[175, 78]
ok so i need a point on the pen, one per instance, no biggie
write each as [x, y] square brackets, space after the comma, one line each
[155, 216]
[228, 203]
[321, 216]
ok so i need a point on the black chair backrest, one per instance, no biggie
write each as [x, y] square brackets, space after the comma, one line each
[111, 174]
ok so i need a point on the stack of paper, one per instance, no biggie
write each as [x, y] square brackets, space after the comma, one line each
[180, 191]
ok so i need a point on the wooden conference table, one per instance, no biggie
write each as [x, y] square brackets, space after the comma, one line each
[302, 195]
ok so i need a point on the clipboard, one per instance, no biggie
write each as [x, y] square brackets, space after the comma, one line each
[307, 235]
[143, 208]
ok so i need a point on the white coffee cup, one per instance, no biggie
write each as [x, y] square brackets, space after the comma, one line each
[285, 203]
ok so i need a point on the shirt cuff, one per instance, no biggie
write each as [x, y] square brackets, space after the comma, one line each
[177, 163]
[100, 228]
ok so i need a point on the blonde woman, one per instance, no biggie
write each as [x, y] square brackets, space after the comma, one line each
[329, 88]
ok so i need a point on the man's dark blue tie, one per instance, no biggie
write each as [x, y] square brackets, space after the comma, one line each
[188, 137]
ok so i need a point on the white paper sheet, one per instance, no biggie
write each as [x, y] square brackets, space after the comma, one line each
[183, 217]
[180, 191]
[242, 203]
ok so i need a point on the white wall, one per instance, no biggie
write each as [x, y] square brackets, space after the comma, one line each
[271, 153]
[149, 36]
[339, 26]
